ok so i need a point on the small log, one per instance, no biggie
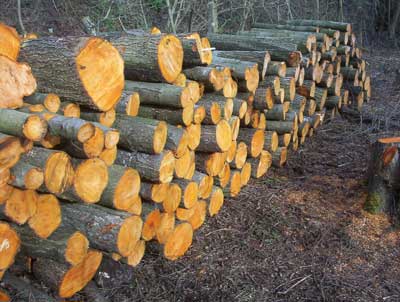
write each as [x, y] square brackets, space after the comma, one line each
[345, 27]
[21, 124]
[263, 99]
[69, 109]
[278, 112]
[173, 199]
[333, 101]
[254, 139]
[211, 77]
[234, 186]
[193, 133]
[240, 156]
[50, 101]
[195, 216]
[271, 141]
[10, 243]
[160, 94]
[307, 89]
[77, 59]
[26, 176]
[281, 127]
[199, 114]
[320, 97]
[289, 86]
[135, 133]
[231, 153]
[11, 148]
[62, 279]
[153, 192]
[284, 140]
[279, 157]
[182, 164]
[190, 192]
[276, 68]
[223, 177]
[260, 165]
[154, 168]
[205, 184]
[216, 138]
[210, 163]
[106, 118]
[177, 141]
[128, 103]
[215, 201]
[171, 116]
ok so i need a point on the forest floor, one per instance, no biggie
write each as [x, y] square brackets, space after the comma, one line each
[297, 234]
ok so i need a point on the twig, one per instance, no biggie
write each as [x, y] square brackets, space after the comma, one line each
[294, 285]
[21, 24]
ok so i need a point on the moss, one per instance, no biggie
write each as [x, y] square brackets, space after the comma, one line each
[373, 204]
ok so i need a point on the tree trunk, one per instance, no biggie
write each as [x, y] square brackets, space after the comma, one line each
[70, 67]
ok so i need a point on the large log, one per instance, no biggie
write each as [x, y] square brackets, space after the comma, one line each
[154, 168]
[346, 27]
[9, 42]
[88, 71]
[160, 94]
[141, 134]
[16, 82]
[152, 58]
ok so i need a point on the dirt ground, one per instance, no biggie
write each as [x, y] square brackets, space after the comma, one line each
[297, 234]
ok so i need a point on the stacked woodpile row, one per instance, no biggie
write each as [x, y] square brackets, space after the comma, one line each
[127, 142]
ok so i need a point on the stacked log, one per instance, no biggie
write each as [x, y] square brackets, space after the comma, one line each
[139, 156]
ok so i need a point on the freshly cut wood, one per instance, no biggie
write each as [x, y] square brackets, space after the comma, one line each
[262, 58]
[245, 174]
[63, 279]
[206, 51]
[11, 148]
[151, 223]
[299, 103]
[271, 141]
[326, 80]
[263, 98]
[211, 77]
[245, 121]
[291, 58]
[193, 133]
[230, 154]
[47, 217]
[128, 103]
[155, 168]
[234, 185]
[303, 130]
[192, 49]
[346, 27]
[56, 166]
[223, 177]
[91, 69]
[105, 118]
[69, 109]
[216, 138]
[307, 89]
[260, 165]
[92, 148]
[195, 91]
[333, 101]
[153, 192]
[215, 201]
[195, 215]
[278, 112]
[111, 135]
[16, 82]
[279, 157]
[276, 68]
[21, 124]
[254, 139]
[10, 239]
[180, 80]
[190, 192]
[122, 190]
[286, 27]
[50, 101]
[171, 116]
[5, 193]
[212, 109]
[21, 205]
[160, 94]
[320, 97]
[106, 229]
[205, 184]
[183, 163]
[199, 114]
[230, 88]
[241, 70]
[210, 163]
[141, 134]
[336, 85]
[166, 227]
[240, 156]
[173, 199]
[293, 72]
[178, 241]
[26, 176]
[151, 58]
[272, 82]
[9, 42]
[239, 107]
[177, 140]
[254, 119]
[284, 140]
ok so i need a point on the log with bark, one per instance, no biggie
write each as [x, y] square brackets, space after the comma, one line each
[10, 42]
[215, 138]
[128, 103]
[151, 58]
[88, 71]
[261, 164]
[254, 139]
[26, 176]
[345, 27]
[50, 101]
[211, 77]
[171, 116]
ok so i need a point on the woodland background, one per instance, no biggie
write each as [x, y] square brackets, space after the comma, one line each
[374, 20]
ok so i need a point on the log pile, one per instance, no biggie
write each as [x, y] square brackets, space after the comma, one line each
[114, 145]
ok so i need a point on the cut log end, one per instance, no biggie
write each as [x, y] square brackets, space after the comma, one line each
[129, 234]
[160, 137]
[151, 225]
[257, 143]
[79, 276]
[58, 172]
[35, 128]
[77, 248]
[108, 156]
[224, 135]
[190, 195]
[91, 178]
[235, 184]
[170, 57]
[137, 254]
[245, 174]
[8, 238]
[166, 227]
[9, 42]
[127, 190]
[167, 167]
[47, 217]
[179, 241]
[193, 134]
[132, 107]
[241, 155]
[100, 57]
[173, 198]
[34, 178]
[252, 77]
